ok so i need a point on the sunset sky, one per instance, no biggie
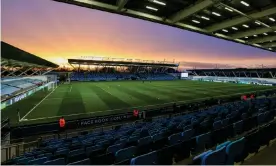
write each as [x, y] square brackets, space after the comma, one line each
[57, 31]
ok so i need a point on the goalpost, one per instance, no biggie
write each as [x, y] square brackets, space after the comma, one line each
[51, 86]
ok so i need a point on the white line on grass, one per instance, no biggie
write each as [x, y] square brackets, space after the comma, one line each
[23, 118]
[70, 89]
[104, 90]
[135, 107]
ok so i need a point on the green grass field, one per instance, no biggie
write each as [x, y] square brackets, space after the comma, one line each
[82, 99]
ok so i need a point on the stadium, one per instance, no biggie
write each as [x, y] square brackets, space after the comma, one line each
[143, 111]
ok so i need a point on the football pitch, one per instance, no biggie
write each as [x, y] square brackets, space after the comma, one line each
[88, 99]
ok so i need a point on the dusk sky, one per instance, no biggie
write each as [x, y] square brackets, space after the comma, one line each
[57, 31]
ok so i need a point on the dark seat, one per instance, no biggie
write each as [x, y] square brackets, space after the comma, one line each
[103, 159]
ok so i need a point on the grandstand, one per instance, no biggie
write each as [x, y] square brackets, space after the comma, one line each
[22, 74]
[208, 117]
[222, 134]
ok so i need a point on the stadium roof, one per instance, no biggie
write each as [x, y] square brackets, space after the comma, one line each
[12, 56]
[250, 22]
[122, 62]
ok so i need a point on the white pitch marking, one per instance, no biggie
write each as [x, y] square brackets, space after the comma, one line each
[133, 107]
[70, 89]
[23, 118]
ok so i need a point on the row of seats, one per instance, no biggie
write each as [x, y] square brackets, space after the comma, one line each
[230, 152]
[183, 135]
[79, 76]
[12, 86]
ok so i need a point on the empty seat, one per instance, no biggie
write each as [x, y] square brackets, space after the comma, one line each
[223, 144]
[197, 160]
[126, 153]
[203, 141]
[146, 159]
[217, 157]
[38, 161]
[114, 148]
[187, 134]
[217, 125]
[175, 138]
[233, 150]
[238, 127]
[81, 162]
[59, 161]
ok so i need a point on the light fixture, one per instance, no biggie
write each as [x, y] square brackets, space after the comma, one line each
[272, 19]
[255, 35]
[246, 37]
[217, 14]
[224, 30]
[256, 22]
[265, 33]
[205, 18]
[151, 8]
[270, 48]
[158, 2]
[274, 31]
[228, 9]
[244, 3]
[246, 26]
[195, 21]
[235, 28]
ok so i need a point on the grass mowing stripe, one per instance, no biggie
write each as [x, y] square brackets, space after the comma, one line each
[167, 93]
[136, 93]
[132, 100]
[109, 99]
[91, 100]
[71, 106]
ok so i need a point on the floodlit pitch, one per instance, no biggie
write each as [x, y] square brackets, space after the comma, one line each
[82, 99]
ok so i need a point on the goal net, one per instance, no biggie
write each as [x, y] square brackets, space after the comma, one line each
[68, 81]
[51, 86]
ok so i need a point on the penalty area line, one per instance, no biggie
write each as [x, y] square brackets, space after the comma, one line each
[136, 107]
[23, 118]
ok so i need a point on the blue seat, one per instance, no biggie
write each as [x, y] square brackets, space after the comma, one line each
[233, 150]
[157, 137]
[114, 148]
[187, 127]
[187, 134]
[175, 138]
[203, 141]
[59, 161]
[261, 118]
[133, 138]
[217, 125]
[238, 127]
[225, 122]
[38, 161]
[81, 162]
[197, 160]
[144, 141]
[126, 153]
[24, 160]
[146, 159]
[91, 149]
[217, 157]
[223, 144]
[61, 152]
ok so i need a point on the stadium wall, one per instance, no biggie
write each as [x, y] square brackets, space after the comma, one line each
[271, 80]
[21, 96]
[43, 78]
